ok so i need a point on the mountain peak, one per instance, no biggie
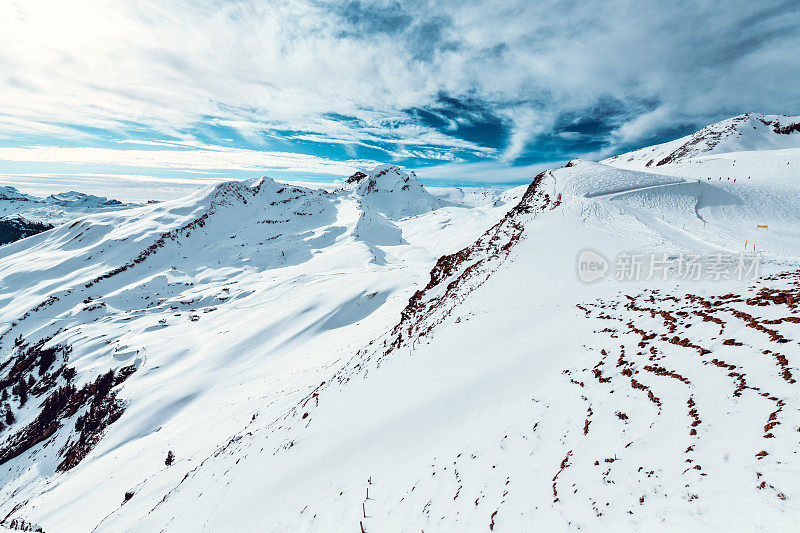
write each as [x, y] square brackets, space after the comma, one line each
[75, 197]
[238, 191]
[11, 193]
[357, 177]
[742, 133]
[387, 177]
[388, 189]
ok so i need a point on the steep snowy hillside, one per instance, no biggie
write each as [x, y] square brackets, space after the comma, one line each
[746, 174]
[747, 132]
[265, 357]
[509, 396]
[123, 329]
[702, 214]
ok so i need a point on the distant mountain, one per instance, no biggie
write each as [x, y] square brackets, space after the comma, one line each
[22, 215]
[12, 194]
[747, 132]
[74, 199]
[387, 189]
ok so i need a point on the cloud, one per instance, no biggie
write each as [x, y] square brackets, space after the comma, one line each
[483, 173]
[527, 125]
[205, 159]
[348, 73]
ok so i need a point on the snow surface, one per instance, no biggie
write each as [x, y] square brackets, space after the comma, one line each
[330, 361]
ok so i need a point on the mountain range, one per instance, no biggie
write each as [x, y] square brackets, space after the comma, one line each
[264, 356]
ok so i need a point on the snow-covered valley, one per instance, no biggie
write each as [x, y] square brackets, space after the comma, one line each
[262, 356]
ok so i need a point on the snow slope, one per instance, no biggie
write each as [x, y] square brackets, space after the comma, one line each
[747, 175]
[205, 309]
[376, 358]
[500, 401]
[708, 214]
[743, 133]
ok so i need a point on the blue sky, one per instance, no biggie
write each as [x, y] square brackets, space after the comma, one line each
[148, 98]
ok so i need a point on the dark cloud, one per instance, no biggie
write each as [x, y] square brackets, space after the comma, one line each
[422, 34]
[368, 18]
[466, 118]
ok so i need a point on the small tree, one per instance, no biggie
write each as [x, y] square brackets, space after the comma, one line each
[10, 417]
[170, 458]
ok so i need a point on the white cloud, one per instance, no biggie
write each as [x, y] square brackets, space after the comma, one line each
[219, 158]
[483, 172]
[643, 126]
[287, 65]
[527, 125]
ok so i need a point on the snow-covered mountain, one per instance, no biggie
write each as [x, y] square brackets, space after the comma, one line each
[187, 304]
[749, 167]
[743, 133]
[23, 215]
[66, 199]
[390, 191]
[8, 193]
[258, 356]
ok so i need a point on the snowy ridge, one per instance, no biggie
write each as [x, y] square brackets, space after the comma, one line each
[451, 281]
[390, 191]
[747, 132]
[86, 335]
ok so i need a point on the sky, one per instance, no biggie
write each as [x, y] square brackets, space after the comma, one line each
[145, 98]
